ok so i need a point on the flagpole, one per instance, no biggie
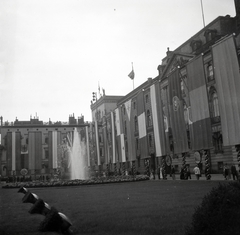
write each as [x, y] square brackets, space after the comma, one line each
[133, 78]
[203, 14]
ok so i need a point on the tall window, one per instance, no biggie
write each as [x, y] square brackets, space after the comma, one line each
[185, 110]
[149, 118]
[146, 98]
[218, 142]
[214, 107]
[150, 140]
[125, 127]
[210, 72]
[135, 123]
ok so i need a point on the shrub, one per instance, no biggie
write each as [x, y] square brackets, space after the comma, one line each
[218, 213]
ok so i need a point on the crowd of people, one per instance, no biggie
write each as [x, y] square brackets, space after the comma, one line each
[185, 173]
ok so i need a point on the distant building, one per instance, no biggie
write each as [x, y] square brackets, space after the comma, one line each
[35, 146]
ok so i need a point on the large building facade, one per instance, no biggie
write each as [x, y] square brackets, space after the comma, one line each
[189, 114]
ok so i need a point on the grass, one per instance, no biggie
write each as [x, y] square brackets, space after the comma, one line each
[147, 207]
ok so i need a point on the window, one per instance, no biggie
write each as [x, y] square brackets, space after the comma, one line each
[136, 123]
[46, 153]
[185, 111]
[137, 145]
[210, 34]
[125, 127]
[146, 98]
[218, 142]
[182, 87]
[209, 72]
[46, 140]
[215, 105]
[134, 105]
[149, 118]
[150, 140]
[126, 149]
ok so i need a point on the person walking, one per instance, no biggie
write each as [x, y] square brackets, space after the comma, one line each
[153, 174]
[197, 172]
[234, 172]
[158, 172]
[226, 171]
[182, 174]
[188, 173]
[173, 172]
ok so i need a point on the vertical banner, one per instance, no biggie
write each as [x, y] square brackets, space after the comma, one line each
[130, 131]
[143, 147]
[158, 121]
[200, 125]
[119, 139]
[54, 149]
[226, 72]
[105, 140]
[18, 150]
[31, 148]
[113, 138]
[87, 145]
[13, 151]
[38, 150]
[123, 148]
[176, 114]
[97, 143]
[9, 150]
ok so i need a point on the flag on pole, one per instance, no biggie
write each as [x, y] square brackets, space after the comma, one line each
[131, 74]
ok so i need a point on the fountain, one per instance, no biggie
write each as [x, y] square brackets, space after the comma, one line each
[78, 155]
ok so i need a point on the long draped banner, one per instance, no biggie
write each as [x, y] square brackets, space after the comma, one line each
[176, 114]
[226, 71]
[200, 125]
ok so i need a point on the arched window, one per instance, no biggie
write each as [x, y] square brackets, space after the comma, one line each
[149, 118]
[210, 72]
[215, 105]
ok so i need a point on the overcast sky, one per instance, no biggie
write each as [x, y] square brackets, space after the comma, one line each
[55, 53]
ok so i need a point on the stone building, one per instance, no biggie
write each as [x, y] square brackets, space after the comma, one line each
[32, 148]
[188, 114]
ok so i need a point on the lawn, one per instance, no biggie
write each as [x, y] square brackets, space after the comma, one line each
[146, 207]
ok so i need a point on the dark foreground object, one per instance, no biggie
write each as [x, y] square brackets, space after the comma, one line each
[54, 221]
[219, 212]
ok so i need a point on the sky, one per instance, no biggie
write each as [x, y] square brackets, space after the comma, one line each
[55, 53]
